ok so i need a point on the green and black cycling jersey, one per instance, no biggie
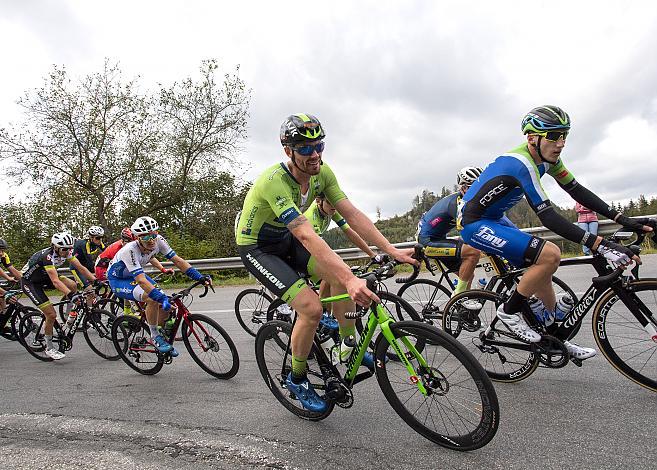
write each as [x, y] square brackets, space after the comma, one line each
[275, 200]
[34, 270]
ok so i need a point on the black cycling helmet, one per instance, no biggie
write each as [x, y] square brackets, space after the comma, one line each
[545, 118]
[3, 244]
[301, 129]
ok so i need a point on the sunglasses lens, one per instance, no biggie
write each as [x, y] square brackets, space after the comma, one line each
[307, 150]
[148, 238]
[556, 135]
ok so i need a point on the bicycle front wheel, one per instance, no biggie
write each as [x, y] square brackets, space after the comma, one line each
[132, 340]
[459, 408]
[251, 309]
[98, 333]
[210, 346]
[627, 345]
[275, 363]
[31, 330]
[427, 296]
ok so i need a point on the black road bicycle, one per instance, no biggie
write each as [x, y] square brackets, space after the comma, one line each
[429, 296]
[624, 327]
[431, 381]
[95, 324]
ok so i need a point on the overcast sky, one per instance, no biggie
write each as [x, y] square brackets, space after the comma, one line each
[409, 92]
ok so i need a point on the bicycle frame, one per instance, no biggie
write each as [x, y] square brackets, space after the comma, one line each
[377, 317]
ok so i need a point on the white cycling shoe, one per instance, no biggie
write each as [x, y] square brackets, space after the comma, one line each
[473, 305]
[54, 354]
[579, 352]
[518, 325]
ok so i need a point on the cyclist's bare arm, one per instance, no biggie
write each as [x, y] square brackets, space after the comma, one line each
[358, 242]
[366, 229]
[15, 272]
[81, 269]
[329, 263]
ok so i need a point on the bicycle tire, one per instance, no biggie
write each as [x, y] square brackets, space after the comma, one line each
[30, 330]
[621, 338]
[428, 296]
[250, 309]
[110, 304]
[455, 382]
[98, 333]
[131, 338]
[502, 364]
[217, 341]
[269, 357]
[16, 318]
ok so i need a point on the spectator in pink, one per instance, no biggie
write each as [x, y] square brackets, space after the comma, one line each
[587, 220]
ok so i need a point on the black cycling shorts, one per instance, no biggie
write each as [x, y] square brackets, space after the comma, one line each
[37, 292]
[281, 267]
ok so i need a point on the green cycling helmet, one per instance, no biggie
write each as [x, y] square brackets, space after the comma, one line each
[545, 118]
[301, 129]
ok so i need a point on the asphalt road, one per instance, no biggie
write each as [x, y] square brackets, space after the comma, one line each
[85, 412]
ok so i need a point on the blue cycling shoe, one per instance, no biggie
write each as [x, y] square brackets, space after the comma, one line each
[328, 321]
[307, 395]
[173, 352]
[368, 360]
[162, 345]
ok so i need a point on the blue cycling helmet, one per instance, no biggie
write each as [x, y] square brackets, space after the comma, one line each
[545, 118]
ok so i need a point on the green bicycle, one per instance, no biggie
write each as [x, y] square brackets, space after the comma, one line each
[431, 381]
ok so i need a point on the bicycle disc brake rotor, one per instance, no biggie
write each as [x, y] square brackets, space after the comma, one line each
[434, 381]
[551, 352]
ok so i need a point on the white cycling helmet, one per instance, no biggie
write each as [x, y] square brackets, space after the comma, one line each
[62, 240]
[144, 225]
[96, 231]
[467, 175]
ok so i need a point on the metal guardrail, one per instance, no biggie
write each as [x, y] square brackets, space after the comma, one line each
[605, 227]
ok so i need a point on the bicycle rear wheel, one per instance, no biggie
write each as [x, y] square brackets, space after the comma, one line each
[132, 340]
[210, 346]
[251, 309]
[111, 304]
[426, 296]
[98, 333]
[459, 410]
[501, 363]
[627, 345]
[271, 345]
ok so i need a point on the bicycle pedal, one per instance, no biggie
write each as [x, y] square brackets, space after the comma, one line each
[577, 362]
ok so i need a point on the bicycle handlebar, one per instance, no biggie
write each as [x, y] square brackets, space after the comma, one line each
[187, 291]
[420, 256]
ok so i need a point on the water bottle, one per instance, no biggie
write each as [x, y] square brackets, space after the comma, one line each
[564, 306]
[342, 353]
[455, 281]
[542, 314]
[168, 325]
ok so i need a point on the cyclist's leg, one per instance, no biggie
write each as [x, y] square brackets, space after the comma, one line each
[277, 267]
[520, 249]
[37, 295]
[469, 259]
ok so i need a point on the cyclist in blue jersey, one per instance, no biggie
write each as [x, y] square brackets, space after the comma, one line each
[517, 174]
[437, 222]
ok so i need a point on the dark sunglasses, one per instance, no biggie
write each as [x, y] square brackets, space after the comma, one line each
[554, 136]
[307, 150]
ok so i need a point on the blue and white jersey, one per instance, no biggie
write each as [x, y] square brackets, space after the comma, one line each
[504, 183]
[130, 260]
[440, 219]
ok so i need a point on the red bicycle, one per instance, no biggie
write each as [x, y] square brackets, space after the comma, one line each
[206, 341]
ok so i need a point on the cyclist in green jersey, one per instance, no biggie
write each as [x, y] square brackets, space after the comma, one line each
[279, 246]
